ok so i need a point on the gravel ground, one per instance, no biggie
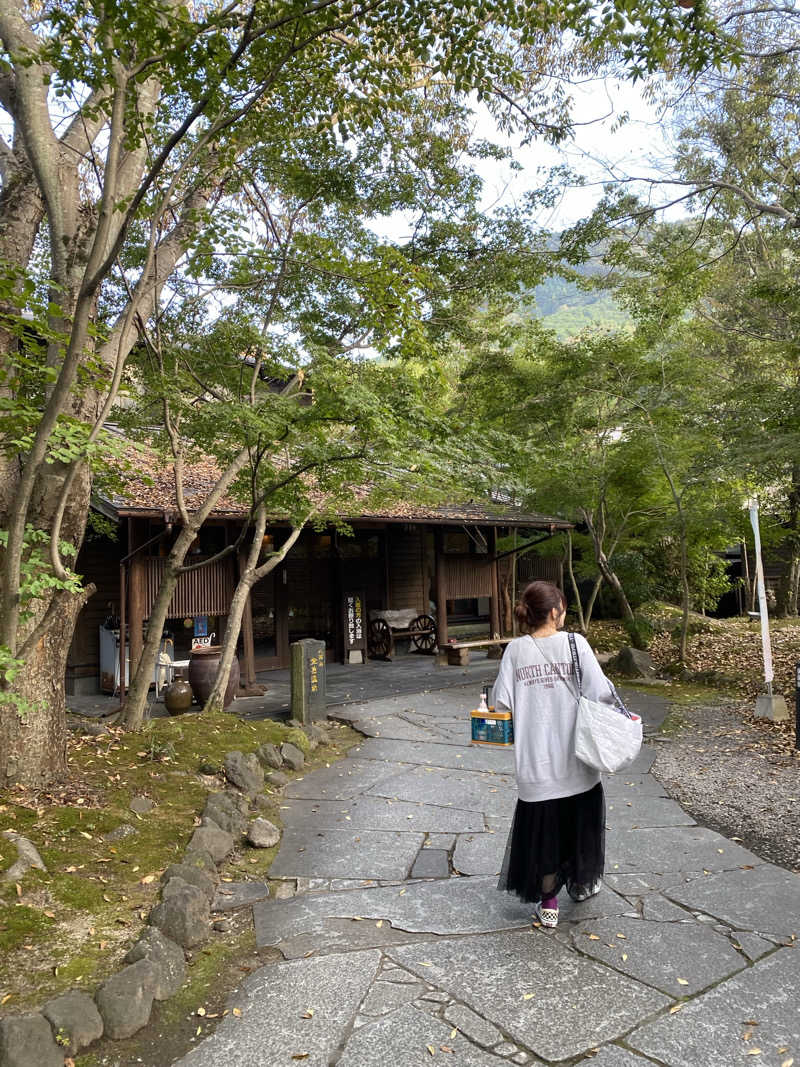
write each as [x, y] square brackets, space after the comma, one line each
[737, 775]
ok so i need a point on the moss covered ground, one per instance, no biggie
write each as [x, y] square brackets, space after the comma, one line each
[69, 927]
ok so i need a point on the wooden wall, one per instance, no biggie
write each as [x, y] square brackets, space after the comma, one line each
[98, 562]
[406, 568]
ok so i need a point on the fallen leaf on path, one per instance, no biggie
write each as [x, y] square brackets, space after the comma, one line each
[682, 981]
[431, 1049]
[674, 1008]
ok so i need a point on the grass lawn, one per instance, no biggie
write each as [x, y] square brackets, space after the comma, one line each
[69, 927]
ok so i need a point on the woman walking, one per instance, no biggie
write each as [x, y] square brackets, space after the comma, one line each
[557, 836]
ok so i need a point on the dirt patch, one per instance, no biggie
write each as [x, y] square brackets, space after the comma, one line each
[737, 775]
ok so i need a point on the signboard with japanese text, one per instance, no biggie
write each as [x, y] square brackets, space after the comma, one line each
[355, 629]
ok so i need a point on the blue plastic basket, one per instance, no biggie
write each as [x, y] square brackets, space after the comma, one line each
[492, 728]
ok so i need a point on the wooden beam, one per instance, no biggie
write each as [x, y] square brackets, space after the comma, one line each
[136, 589]
[441, 593]
[494, 601]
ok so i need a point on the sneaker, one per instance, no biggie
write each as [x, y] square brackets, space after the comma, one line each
[583, 892]
[547, 916]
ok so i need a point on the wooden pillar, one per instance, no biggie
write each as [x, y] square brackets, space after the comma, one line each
[494, 571]
[441, 592]
[247, 633]
[136, 592]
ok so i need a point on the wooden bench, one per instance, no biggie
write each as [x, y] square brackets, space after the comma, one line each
[458, 651]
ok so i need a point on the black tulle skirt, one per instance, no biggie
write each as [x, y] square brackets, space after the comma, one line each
[555, 843]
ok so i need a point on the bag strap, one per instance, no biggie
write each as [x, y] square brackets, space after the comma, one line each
[576, 660]
[573, 648]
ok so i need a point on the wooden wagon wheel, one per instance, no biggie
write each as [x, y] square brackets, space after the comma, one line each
[380, 639]
[423, 633]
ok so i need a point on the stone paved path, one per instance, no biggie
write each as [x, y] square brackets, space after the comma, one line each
[399, 950]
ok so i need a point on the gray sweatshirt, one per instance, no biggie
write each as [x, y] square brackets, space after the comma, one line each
[537, 684]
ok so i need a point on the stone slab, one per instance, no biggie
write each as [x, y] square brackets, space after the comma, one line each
[591, 1004]
[480, 853]
[378, 813]
[753, 946]
[614, 1056]
[457, 906]
[394, 727]
[661, 953]
[646, 811]
[431, 863]
[672, 850]
[463, 757]
[493, 794]
[403, 1038]
[656, 908]
[710, 1029]
[384, 997]
[477, 1029]
[271, 1028]
[445, 841]
[341, 780]
[233, 895]
[765, 899]
[630, 786]
[346, 854]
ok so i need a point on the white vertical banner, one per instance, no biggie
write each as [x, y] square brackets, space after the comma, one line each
[766, 647]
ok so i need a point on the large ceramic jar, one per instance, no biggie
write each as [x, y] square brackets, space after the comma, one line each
[178, 697]
[203, 667]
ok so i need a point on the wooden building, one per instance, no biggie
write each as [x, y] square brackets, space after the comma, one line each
[440, 561]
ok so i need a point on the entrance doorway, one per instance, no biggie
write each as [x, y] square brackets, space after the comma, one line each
[270, 637]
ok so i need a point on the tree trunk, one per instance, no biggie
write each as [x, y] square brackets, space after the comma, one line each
[142, 675]
[592, 598]
[611, 578]
[248, 578]
[33, 742]
[787, 588]
[684, 591]
[573, 583]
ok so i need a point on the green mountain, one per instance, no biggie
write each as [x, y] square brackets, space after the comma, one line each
[567, 309]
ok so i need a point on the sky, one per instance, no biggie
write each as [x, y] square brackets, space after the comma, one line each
[597, 151]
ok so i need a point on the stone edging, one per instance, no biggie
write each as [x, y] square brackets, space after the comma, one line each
[155, 966]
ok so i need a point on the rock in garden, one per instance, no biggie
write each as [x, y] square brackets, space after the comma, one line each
[125, 1000]
[313, 743]
[167, 958]
[261, 833]
[269, 756]
[192, 876]
[294, 724]
[277, 779]
[75, 1020]
[245, 772]
[203, 861]
[141, 805]
[632, 663]
[120, 833]
[218, 843]
[183, 913]
[87, 729]
[222, 926]
[317, 733]
[27, 857]
[229, 812]
[292, 756]
[26, 1040]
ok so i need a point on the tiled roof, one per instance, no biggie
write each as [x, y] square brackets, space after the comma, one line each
[148, 489]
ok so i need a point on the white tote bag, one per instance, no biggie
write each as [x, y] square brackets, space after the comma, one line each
[606, 738]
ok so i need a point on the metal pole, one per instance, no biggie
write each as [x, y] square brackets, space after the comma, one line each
[797, 706]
